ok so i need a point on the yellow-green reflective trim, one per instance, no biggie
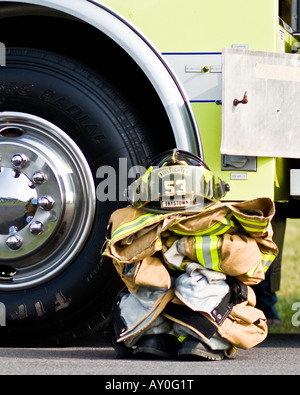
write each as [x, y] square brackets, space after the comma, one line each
[267, 261]
[252, 225]
[207, 252]
[134, 225]
[252, 271]
[199, 250]
[217, 229]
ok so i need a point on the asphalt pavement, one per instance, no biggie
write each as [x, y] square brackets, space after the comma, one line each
[277, 355]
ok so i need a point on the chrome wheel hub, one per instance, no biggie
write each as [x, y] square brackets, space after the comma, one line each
[47, 199]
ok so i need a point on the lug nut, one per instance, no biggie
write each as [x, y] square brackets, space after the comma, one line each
[36, 228]
[14, 242]
[19, 161]
[39, 178]
[46, 203]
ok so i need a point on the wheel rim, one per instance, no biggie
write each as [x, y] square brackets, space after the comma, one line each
[47, 199]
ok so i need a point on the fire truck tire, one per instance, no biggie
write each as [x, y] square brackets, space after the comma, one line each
[60, 122]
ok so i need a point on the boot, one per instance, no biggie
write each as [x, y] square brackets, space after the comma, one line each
[153, 346]
[193, 349]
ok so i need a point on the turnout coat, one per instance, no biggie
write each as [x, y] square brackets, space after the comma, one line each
[230, 238]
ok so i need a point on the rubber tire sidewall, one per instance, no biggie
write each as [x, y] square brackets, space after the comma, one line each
[105, 127]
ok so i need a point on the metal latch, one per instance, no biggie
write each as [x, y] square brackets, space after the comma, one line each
[236, 102]
[234, 163]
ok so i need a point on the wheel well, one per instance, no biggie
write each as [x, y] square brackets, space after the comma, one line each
[39, 27]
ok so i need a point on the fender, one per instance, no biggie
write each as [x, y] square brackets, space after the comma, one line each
[144, 53]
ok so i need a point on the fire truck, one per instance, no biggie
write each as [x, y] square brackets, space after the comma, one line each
[91, 89]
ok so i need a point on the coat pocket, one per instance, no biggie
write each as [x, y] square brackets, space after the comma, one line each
[245, 327]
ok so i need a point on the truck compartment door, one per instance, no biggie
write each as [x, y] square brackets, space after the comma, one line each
[260, 104]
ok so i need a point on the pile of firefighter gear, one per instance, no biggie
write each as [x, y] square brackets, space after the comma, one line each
[188, 262]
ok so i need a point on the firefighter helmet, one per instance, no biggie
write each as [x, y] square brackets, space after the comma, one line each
[176, 181]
